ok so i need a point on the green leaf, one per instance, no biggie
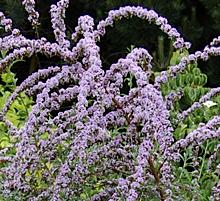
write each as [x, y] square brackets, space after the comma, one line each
[189, 79]
[182, 80]
[175, 59]
[196, 71]
[202, 79]
[3, 52]
[49, 165]
[4, 142]
[4, 98]
[8, 78]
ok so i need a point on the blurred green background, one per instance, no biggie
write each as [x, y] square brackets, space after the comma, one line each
[197, 21]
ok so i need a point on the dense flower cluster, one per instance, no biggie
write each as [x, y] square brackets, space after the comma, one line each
[6, 23]
[57, 19]
[70, 147]
[33, 15]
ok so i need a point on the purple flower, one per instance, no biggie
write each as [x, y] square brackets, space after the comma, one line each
[81, 132]
[29, 6]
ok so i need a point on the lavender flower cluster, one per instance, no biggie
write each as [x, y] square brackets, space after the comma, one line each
[60, 152]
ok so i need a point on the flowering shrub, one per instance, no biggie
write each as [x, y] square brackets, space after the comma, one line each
[86, 140]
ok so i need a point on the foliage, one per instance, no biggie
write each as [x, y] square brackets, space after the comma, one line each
[18, 111]
[190, 170]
